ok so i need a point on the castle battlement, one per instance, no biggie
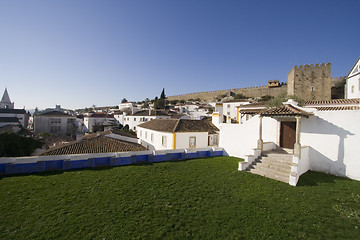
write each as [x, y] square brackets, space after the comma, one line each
[316, 66]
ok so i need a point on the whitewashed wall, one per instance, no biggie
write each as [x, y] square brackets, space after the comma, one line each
[238, 140]
[156, 144]
[182, 139]
[334, 140]
[353, 87]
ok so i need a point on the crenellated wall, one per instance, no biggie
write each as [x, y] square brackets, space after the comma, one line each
[249, 92]
[309, 82]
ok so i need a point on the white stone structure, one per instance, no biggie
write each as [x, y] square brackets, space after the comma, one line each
[9, 115]
[98, 119]
[353, 81]
[142, 116]
[230, 109]
[325, 137]
[5, 101]
[177, 134]
[56, 123]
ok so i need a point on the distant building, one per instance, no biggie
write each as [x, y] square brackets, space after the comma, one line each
[99, 119]
[9, 115]
[57, 123]
[230, 109]
[177, 134]
[143, 116]
[97, 143]
[353, 81]
[5, 101]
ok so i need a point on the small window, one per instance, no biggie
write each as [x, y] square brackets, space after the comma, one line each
[152, 137]
[312, 89]
[140, 133]
[145, 134]
[134, 119]
[352, 89]
[192, 142]
[228, 106]
[163, 140]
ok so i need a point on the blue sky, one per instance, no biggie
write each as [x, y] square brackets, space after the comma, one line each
[79, 53]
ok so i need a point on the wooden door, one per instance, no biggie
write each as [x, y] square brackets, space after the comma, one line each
[287, 134]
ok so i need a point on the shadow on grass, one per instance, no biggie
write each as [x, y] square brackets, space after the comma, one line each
[311, 178]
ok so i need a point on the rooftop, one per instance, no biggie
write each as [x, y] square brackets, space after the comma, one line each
[333, 102]
[180, 125]
[152, 113]
[98, 144]
[53, 113]
[285, 110]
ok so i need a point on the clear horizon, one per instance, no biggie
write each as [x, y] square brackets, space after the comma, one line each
[82, 53]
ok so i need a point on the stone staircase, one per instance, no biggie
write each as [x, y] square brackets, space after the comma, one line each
[275, 164]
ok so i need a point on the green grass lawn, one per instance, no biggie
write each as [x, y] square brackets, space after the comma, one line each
[195, 199]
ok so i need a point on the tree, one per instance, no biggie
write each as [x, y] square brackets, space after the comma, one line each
[162, 96]
[239, 96]
[124, 100]
[13, 145]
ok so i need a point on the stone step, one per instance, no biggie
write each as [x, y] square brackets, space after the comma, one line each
[280, 172]
[278, 156]
[275, 166]
[276, 160]
[281, 178]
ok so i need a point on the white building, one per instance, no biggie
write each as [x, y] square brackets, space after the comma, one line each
[230, 109]
[323, 136]
[177, 134]
[5, 101]
[99, 119]
[139, 117]
[9, 115]
[130, 105]
[57, 123]
[353, 81]
[194, 111]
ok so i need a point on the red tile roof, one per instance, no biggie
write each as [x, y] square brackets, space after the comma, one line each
[340, 108]
[99, 144]
[333, 102]
[252, 111]
[180, 125]
[285, 110]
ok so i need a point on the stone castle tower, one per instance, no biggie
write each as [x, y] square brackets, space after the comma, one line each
[310, 82]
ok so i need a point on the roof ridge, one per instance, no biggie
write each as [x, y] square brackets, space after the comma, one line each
[176, 125]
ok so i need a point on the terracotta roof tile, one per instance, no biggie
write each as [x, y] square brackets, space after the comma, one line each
[252, 105]
[152, 113]
[99, 144]
[340, 108]
[101, 115]
[285, 110]
[333, 102]
[180, 125]
[252, 111]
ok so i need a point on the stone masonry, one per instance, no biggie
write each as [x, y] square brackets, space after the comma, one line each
[308, 82]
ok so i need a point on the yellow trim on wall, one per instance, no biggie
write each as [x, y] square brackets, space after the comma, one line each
[174, 140]
[216, 115]
[237, 115]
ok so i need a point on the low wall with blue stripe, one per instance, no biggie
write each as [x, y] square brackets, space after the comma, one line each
[28, 165]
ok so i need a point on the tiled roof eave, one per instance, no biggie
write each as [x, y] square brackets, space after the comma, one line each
[286, 115]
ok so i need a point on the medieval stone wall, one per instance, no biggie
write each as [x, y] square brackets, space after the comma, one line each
[248, 92]
[309, 82]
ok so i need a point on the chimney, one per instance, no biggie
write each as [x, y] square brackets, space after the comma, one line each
[133, 110]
